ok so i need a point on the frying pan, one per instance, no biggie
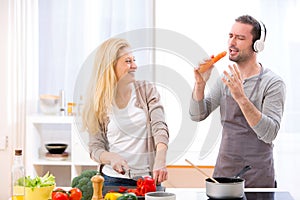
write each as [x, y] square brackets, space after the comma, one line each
[228, 187]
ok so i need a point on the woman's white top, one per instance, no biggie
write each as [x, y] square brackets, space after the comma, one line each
[127, 136]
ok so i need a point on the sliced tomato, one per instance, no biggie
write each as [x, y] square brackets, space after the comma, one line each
[135, 191]
[139, 182]
[122, 189]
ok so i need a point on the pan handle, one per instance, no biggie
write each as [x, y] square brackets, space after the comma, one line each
[244, 170]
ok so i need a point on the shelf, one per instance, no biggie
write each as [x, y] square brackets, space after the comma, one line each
[86, 164]
[52, 162]
[50, 119]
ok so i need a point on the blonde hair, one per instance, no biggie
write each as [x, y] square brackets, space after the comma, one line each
[101, 89]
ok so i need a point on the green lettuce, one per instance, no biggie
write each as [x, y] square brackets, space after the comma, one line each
[37, 182]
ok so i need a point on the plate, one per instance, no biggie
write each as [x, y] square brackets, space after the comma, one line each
[57, 157]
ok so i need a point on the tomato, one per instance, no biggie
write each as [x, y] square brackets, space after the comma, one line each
[75, 194]
[57, 190]
[60, 196]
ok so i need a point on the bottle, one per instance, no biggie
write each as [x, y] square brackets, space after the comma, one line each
[71, 109]
[18, 177]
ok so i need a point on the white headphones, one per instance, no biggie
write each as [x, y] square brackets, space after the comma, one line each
[259, 44]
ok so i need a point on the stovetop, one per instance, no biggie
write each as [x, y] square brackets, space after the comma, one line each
[268, 196]
[257, 196]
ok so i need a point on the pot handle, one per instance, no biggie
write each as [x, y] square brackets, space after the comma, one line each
[244, 170]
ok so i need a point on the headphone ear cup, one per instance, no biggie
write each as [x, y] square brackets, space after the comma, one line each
[258, 46]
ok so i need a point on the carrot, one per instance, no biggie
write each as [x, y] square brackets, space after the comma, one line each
[205, 66]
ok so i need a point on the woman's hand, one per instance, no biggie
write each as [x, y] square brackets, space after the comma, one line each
[160, 172]
[117, 162]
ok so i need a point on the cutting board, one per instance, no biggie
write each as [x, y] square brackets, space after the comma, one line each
[116, 188]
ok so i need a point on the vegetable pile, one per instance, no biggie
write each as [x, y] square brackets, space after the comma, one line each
[84, 183]
[144, 185]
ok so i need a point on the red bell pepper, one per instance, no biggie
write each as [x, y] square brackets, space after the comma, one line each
[145, 185]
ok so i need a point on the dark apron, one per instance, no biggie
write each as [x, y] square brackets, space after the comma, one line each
[240, 146]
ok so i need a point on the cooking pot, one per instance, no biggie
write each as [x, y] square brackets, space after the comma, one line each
[227, 187]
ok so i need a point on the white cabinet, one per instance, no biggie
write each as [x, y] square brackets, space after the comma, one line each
[42, 129]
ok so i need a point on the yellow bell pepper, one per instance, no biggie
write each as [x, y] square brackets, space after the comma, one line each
[112, 196]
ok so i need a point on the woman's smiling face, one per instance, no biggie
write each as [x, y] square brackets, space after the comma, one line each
[125, 66]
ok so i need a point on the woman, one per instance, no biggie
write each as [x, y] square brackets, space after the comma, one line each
[124, 118]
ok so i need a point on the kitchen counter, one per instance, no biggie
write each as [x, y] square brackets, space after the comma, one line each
[250, 194]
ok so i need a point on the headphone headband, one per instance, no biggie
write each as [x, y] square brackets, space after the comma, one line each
[262, 31]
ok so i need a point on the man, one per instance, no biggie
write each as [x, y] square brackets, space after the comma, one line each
[251, 99]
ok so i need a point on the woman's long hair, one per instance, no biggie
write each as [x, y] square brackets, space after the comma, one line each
[101, 90]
